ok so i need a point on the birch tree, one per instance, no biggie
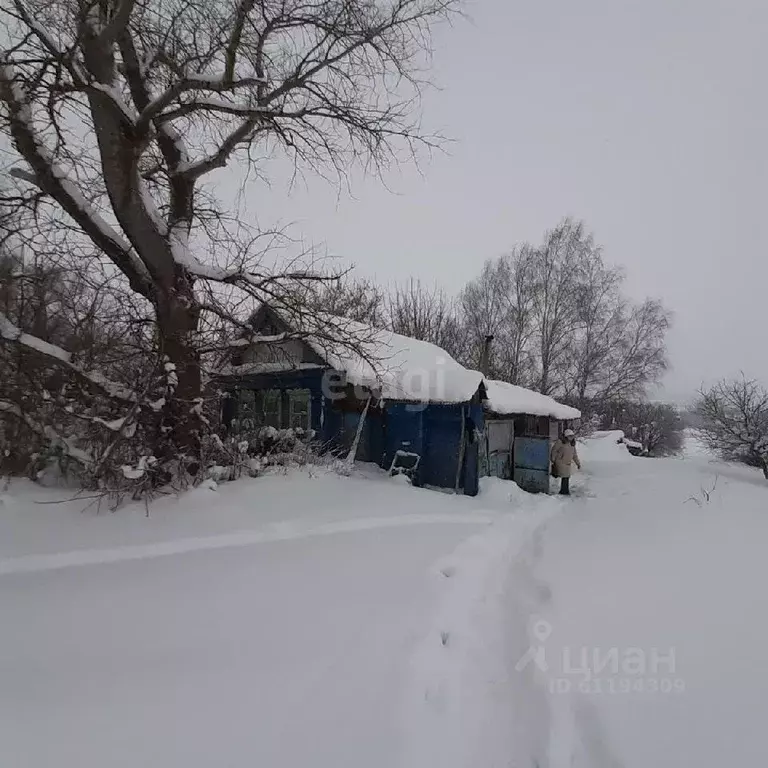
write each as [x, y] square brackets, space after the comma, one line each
[500, 303]
[556, 268]
[484, 302]
[599, 310]
[562, 324]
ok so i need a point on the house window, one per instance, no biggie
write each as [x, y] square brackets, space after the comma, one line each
[298, 408]
[259, 408]
[532, 426]
[268, 410]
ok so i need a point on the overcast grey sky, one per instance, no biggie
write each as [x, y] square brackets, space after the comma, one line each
[649, 120]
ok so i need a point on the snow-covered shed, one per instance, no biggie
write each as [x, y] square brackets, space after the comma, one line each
[520, 425]
[417, 403]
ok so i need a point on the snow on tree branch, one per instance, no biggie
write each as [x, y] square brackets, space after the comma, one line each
[11, 333]
[47, 432]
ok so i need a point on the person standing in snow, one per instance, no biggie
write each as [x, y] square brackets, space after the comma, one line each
[562, 455]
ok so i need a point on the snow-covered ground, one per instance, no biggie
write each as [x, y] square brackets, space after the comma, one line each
[292, 620]
[310, 619]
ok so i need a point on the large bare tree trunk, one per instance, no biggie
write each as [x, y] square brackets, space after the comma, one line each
[177, 322]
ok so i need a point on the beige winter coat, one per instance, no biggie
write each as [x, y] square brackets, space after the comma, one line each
[563, 455]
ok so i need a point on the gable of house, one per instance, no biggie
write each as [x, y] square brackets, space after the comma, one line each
[287, 354]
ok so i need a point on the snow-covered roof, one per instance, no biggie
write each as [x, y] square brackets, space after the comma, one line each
[400, 367]
[504, 398]
[408, 369]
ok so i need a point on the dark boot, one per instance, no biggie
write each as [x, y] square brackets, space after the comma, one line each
[565, 486]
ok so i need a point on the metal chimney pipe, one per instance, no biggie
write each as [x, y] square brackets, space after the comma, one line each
[485, 356]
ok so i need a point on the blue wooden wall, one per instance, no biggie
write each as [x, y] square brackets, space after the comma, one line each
[433, 431]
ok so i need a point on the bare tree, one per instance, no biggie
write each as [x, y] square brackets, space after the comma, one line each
[357, 299]
[520, 326]
[428, 314]
[598, 319]
[734, 421]
[638, 353]
[500, 303]
[557, 265]
[617, 348]
[656, 426]
[561, 323]
[119, 111]
[484, 304]
[72, 337]
[47, 407]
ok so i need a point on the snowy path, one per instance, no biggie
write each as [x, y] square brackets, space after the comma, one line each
[636, 567]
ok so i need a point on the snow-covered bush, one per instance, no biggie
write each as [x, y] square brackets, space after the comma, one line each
[734, 421]
[251, 453]
[589, 423]
[656, 428]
